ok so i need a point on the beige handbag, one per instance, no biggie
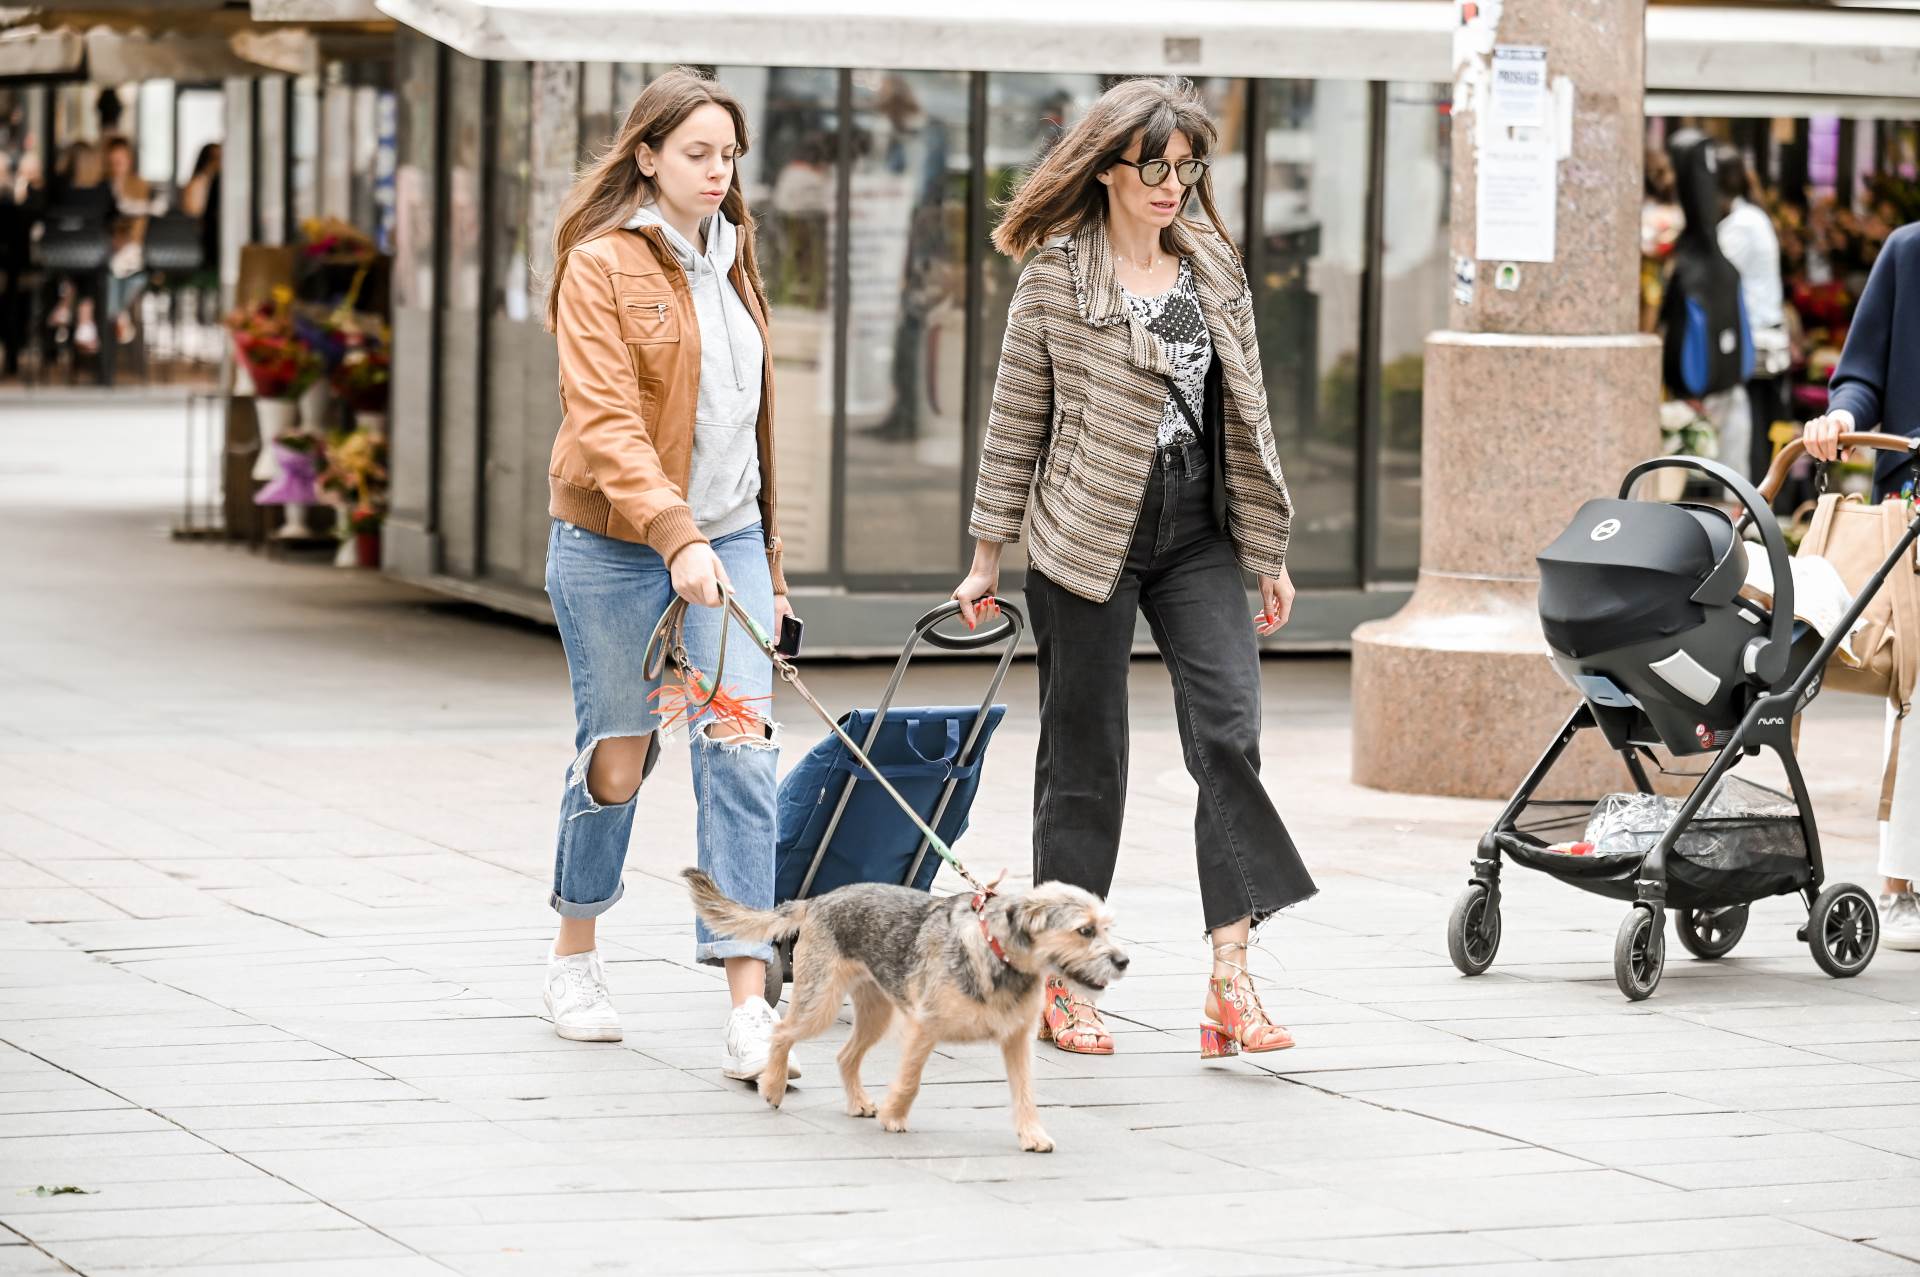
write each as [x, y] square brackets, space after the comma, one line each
[1857, 538]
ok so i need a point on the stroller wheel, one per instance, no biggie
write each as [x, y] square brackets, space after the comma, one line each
[1473, 932]
[1843, 930]
[1640, 952]
[776, 975]
[1710, 933]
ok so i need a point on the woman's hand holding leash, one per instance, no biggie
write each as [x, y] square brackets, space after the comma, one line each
[1276, 603]
[699, 576]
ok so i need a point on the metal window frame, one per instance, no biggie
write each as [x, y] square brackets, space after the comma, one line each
[483, 321]
[437, 300]
[1367, 505]
[841, 279]
[973, 426]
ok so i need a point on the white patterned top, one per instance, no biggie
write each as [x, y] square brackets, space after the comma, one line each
[1174, 318]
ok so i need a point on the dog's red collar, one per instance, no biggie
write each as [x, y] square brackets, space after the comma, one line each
[980, 899]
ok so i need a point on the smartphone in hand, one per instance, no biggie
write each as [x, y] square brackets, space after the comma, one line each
[791, 628]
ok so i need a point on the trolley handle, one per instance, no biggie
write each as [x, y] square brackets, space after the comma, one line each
[1777, 472]
[1012, 623]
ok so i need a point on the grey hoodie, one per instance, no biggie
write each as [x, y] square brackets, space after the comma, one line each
[724, 479]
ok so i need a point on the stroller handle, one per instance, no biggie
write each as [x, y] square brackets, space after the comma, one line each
[1777, 472]
[1010, 627]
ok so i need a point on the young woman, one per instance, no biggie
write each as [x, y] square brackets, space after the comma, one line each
[1130, 385]
[661, 484]
[1877, 387]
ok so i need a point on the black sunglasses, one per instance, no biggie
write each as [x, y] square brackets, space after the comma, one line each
[1154, 172]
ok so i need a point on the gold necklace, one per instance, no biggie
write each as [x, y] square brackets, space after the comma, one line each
[1153, 260]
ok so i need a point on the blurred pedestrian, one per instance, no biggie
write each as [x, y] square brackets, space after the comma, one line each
[661, 485]
[1706, 346]
[1130, 388]
[1876, 386]
[134, 201]
[1746, 238]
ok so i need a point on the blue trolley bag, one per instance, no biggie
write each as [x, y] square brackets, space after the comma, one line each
[920, 751]
[838, 826]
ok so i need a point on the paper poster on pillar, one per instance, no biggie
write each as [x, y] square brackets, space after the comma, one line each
[1516, 174]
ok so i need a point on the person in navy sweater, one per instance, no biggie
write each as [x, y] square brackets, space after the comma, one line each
[1877, 387]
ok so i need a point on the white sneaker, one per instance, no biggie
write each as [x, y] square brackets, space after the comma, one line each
[577, 998]
[1900, 920]
[749, 1041]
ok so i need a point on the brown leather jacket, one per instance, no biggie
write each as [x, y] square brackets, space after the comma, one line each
[629, 383]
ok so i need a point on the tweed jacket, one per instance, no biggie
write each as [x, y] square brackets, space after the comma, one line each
[1077, 401]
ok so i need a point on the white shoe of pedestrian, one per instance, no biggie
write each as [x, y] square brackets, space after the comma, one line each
[1900, 920]
[577, 998]
[749, 1040]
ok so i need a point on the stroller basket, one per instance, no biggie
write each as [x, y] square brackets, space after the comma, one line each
[1748, 843]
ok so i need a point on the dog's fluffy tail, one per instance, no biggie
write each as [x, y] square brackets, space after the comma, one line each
[736, 920]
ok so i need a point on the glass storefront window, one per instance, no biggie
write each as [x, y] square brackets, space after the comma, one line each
[1227, 101]
[1415, 292]
[906, 322]
[513, 143]
[789, 178]
[1311, 261]
[1026, 115]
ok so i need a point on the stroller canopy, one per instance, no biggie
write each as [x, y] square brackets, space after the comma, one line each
[1626, 572]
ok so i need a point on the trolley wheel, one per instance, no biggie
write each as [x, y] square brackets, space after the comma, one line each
[1473, 931]
[1640, 952]
[1843, 930]
[776, 974]
[1710, 933]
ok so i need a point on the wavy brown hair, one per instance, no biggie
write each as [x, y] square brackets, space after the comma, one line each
[610, 188]
[1060, 194]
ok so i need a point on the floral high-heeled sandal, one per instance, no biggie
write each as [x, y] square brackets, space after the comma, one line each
[1235, 1019]
[1072, 1024]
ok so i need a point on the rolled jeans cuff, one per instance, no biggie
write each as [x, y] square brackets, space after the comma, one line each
[713, 953]
[591, 909]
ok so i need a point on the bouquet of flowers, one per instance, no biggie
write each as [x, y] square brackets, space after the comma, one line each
[355, 479]
[1684, 432]
[264, 339]
[332, 238]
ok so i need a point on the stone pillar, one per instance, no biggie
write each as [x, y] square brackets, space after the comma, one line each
[1541, 396]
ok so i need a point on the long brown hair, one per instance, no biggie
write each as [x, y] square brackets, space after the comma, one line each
[611, 187]
[1060, 194]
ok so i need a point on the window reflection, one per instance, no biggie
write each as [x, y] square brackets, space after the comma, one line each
[1415, 287]
[906, 320]
[1313, 230]
[788, 177]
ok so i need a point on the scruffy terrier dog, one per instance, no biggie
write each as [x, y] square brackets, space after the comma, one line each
[953, 975]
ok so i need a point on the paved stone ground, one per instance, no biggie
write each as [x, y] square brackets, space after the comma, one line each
[274, 844]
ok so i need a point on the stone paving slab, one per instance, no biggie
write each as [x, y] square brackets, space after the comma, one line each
[274, 850]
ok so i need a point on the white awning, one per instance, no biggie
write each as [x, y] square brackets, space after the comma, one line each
[1706, 49]
[1337, 39]
[316, 11]
[30, 52]
[1756, 50]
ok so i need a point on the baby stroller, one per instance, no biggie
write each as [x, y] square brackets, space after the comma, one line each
[836, 826]
[1640, 602]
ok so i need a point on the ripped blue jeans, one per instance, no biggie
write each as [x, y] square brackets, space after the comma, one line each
[607, 597]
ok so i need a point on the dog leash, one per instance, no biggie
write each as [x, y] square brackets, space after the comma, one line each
[668, 643]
